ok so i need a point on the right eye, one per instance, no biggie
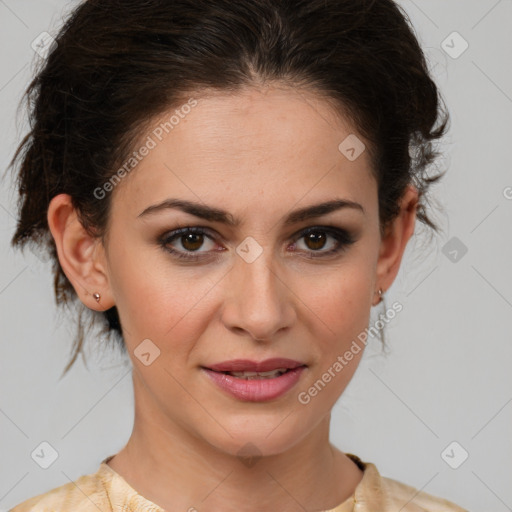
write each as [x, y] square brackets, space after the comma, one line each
[191, 240]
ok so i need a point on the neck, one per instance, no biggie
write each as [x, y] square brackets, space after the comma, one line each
[177, 470]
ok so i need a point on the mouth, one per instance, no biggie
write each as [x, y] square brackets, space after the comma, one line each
[256, 381]
[252, 368]
[246, 375]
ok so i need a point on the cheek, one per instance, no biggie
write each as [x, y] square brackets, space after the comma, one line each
[340, 299]
[154, 298]
[341, 309]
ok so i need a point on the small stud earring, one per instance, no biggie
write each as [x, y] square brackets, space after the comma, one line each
[380, 295]
[96, 296]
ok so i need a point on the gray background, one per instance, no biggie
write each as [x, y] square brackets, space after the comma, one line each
[447, 376]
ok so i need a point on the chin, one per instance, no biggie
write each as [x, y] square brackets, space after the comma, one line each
[252, 438]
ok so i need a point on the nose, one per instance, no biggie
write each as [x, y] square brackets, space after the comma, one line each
[258, 300]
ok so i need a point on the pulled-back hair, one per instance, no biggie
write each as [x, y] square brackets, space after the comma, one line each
[117, 64]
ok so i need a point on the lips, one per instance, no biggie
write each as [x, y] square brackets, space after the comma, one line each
[241, 365]
[260, 387]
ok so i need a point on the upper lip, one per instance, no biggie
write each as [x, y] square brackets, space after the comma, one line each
[240, 365]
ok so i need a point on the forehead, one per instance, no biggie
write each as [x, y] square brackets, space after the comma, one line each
[273, 144]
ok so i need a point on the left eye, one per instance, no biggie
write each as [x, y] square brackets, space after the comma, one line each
[316, 240]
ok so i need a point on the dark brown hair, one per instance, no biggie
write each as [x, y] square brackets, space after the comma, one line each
[117, 64]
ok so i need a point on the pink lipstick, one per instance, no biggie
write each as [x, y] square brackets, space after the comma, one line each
[256, 381]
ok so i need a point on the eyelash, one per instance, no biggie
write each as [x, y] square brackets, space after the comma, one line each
[343, 237]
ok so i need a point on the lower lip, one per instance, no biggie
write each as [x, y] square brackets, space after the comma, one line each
[256, 390]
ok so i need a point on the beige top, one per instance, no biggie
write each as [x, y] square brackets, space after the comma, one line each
[107, 491]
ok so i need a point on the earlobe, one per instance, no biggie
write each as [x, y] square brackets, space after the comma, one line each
[394, 243]
[81, 256]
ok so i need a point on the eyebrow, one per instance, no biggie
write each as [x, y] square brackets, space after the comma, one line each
[217, 215]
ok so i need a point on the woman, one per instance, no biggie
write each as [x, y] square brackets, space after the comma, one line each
[230, 187]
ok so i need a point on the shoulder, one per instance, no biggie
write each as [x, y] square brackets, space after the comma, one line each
[414, 500]
[85, 494]
[376, 492]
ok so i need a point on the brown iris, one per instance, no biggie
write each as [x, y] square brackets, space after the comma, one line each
[192, 241]
[317, 239]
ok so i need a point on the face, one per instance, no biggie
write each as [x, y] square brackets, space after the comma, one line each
[253, 280]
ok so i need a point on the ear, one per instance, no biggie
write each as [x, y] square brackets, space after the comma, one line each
[82, 256]
[395, 240]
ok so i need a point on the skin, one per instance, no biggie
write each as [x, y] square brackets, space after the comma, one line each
[259, 154]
